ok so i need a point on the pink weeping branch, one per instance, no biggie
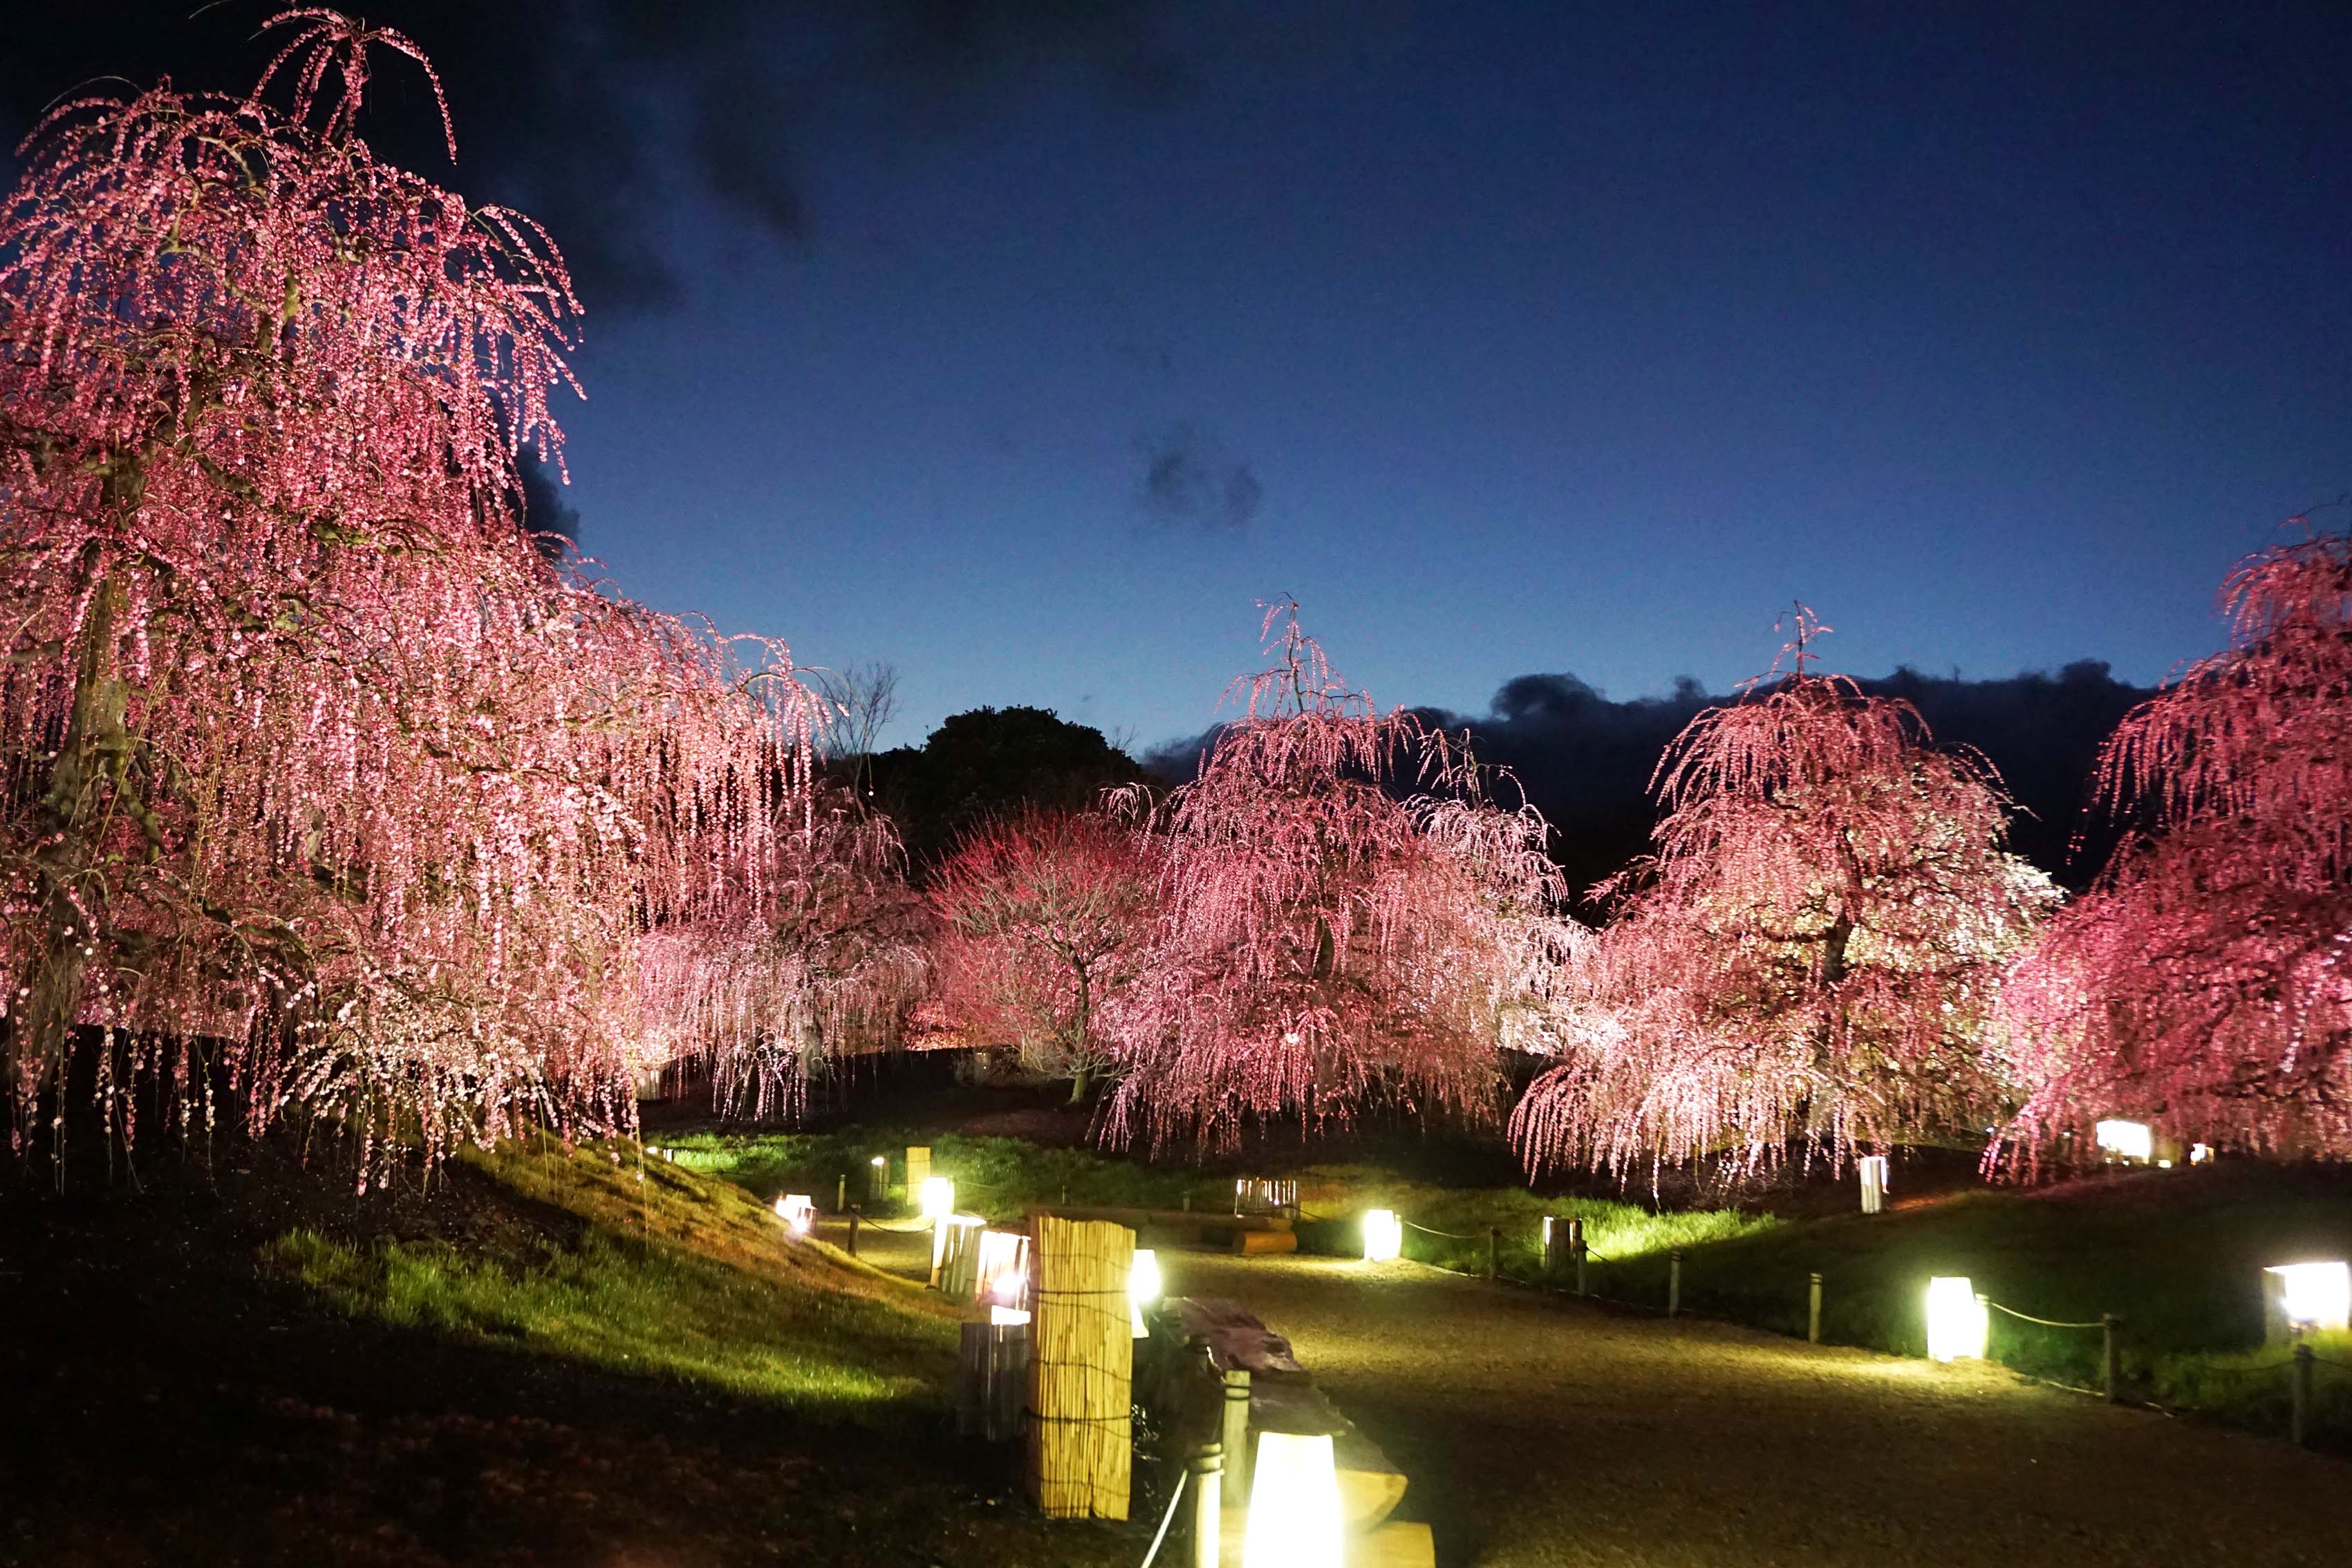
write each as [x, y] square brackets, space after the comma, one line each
[1326, 940]
[319, 787]
[2203, 983]
[1812, 952]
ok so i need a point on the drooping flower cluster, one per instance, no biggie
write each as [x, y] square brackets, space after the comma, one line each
[824, 959]
[1812, 952]
[319, 784]
[2205, 983]
[1328, 942]
[1045, 920]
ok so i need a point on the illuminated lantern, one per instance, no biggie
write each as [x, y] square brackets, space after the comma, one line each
[1383, 1236]
[939, 1197]
[1294, 1503]
[1142, 1286]
[2200, 1153]
[949, 1237]
[1000, 1316]
[1001, 1275]
[1872, 1170]
[2306, 1298]
[1956, 1320]
[2126, 1140]
[798, 1211]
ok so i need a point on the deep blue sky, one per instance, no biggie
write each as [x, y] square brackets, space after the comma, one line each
[1575, 337]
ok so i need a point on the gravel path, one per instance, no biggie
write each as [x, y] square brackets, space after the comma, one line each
[1538, 1430]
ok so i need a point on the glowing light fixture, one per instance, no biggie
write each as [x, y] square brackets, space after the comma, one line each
[2126, 1139]
[2200, 1153]
[1956, 1320]
[1383, 1236]
[939, 1197]
[1871, 1168]
[1143, 1288]
[798, 1211]
[1000, 1274]
[944, 1230]
[1000, 1316]
[2307, 1297]
[1294, 1511]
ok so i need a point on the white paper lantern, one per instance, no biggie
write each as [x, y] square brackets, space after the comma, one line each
[2310, 1297]
[798, 1211]
[939, 1197]
[2126, 1139]
[1956, 1320]
[1294, 1503]
[1383, 1236]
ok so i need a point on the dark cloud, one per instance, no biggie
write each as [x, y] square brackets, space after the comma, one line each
[1189, 479]
[1585, 761]
[595, 116]
[544, 510]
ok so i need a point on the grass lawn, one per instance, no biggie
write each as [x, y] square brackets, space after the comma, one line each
[538, 1359]
[2177, 1255]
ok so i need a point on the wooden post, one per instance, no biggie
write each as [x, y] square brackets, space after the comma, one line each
[1494, 1248]
[1208, 1506]
[841, 1193]
[2110, 1333]
[1674, 1283]
[1236, 1434]
[2299, 1389]
[1576, 1244]
[855, 1213]
[1554, 1235]
[1814, 1312]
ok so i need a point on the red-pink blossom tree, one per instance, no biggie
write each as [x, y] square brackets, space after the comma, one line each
[1327, 939]
[2205, 983]
[1042, 921]
[319, 784]
[1812, 952]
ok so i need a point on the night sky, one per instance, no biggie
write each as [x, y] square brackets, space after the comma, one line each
[1026, 345]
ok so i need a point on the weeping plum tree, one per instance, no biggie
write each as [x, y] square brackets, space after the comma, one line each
[2205, 981]
[319, 784]
[1043, 921]
[823, 959]
[1327, 939]
[1812, 952]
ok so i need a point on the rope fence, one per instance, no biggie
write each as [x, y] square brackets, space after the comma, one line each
[2045, 1322]
[1565, 1253]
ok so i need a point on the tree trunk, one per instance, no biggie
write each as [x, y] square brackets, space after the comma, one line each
[92, 759]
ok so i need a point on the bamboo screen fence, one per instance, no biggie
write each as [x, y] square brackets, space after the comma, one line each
[1081, 1363]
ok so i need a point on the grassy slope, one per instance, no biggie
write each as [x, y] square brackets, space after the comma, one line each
[538, 1361]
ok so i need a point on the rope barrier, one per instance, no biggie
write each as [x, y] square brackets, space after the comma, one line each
[1433, 1230]
[2045, 1322]
[1167, 1518]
